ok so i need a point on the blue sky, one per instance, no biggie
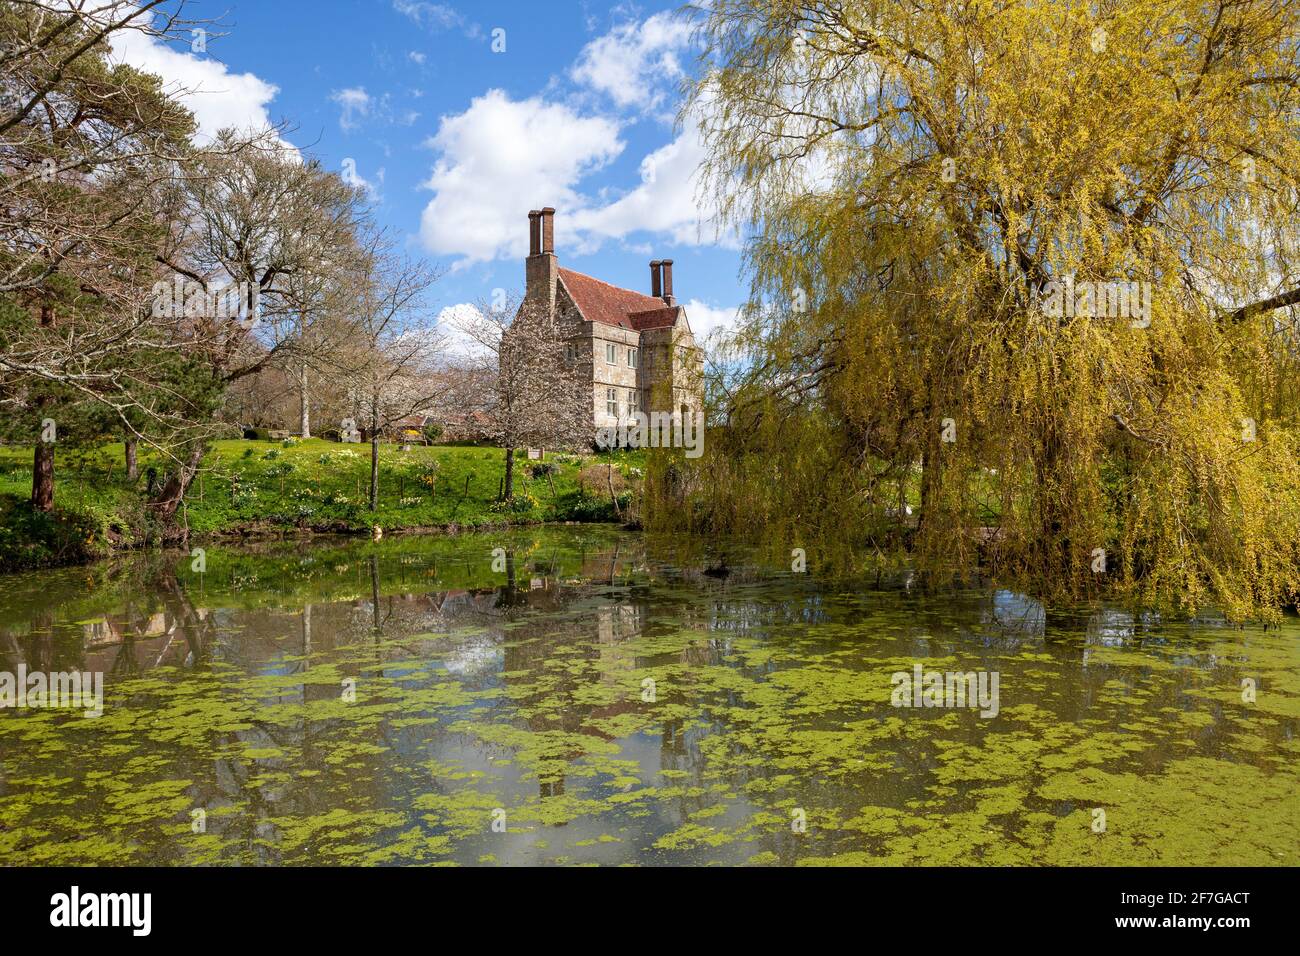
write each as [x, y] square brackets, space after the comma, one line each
[460, 117]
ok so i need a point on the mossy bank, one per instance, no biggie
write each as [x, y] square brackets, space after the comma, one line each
[301, 487]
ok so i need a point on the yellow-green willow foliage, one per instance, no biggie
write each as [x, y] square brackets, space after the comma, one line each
[920, 181]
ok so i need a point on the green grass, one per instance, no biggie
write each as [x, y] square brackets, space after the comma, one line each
[314, 485]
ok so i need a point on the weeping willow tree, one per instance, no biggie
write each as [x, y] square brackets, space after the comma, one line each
[1030, 267]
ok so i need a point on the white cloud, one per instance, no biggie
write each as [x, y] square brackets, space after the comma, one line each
[457, 343]
[357, 106]
[502, 157]
[635, 62]
[218, 98]
[417, 57]
[354, 104]
[436, 17]
[705, 318]
[433, 15]
[665, 201]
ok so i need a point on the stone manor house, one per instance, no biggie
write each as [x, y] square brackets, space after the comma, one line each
[636, 350]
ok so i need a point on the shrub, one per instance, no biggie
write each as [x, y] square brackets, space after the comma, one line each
[595, 480]
[427, 474]
[257, 434]
[522, 503]
[589, 509]
[30, 538]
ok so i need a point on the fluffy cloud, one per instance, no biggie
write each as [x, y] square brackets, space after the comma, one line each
[354, 105]
[217, 97]
[705, 318]
[457, 343]
[635, 62]
[666, 200]
[501, 156]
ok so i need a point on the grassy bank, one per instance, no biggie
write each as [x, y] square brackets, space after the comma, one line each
[262, 487]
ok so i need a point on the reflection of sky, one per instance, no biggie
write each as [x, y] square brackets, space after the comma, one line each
[1110, 627]
[474, 656]
[565, 659]
[1011, 609]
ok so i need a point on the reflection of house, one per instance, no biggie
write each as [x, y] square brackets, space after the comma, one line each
[109, 631]
[617, 622]
[116, 646]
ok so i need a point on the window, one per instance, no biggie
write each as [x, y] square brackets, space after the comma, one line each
[631, 357]
[611, 353]
[633, 401]
[611, 401]
[570, 353]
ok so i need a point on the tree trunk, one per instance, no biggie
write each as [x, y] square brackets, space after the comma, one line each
[43, 459]
[132, 465]
[928, 465]
[43, 477]
[508, 491]
[374, 592]
[175, 485]
[374, 446]
[609, 479]
[304, 397]
[374, 470]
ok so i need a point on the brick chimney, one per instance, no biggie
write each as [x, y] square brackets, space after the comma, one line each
[656, 288]
[541, 268]
[534, 232]
[667, 266]
[548, 229]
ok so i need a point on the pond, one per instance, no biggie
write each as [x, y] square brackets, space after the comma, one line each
[584, 695]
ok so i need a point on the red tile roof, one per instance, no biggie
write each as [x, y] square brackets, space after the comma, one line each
[660, 318]
[601, 302]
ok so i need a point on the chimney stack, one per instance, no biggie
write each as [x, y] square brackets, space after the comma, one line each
[541, 269]
[656, 288]
[534, 232]
[548, 229]
[667, 266]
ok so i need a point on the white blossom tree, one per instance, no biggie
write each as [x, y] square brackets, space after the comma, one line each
[536, 394]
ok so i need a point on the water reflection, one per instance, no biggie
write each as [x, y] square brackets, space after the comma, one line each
[603, 699]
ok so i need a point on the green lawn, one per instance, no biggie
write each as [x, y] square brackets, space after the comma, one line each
[312, 485]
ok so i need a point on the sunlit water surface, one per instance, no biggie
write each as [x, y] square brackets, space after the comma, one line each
[584, 695]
